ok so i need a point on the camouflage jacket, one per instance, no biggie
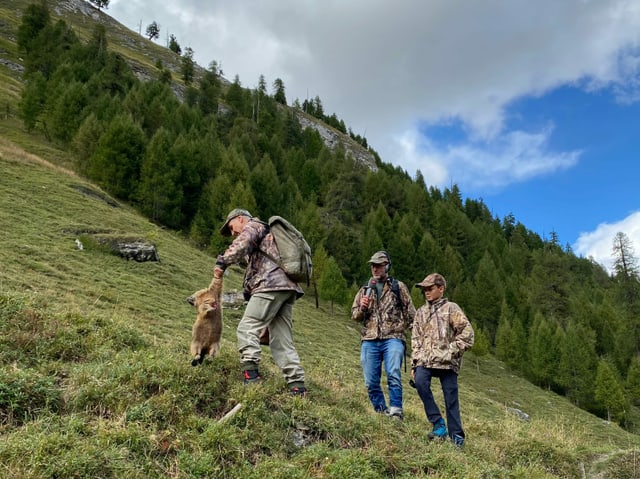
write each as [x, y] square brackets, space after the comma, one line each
[386, 317]
[262, 273]
[441, 334]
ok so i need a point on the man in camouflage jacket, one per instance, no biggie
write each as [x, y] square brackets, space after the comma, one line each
[385, 309]
[441, 334]
[272, 295]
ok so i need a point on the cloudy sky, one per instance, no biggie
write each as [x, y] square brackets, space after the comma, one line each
[531, 106]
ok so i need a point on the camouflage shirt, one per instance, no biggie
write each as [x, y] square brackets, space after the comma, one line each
[441, 334]
[262, 274]
[386, 317]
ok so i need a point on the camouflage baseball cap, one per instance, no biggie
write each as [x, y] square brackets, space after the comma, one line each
[224, 230]
[433, 278]
[380, 257]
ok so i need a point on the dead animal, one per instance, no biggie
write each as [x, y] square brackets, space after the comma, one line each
[207, 330]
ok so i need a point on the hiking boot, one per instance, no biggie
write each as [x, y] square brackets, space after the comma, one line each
[395, 413]
[299, 391]
[251, 376]
[458, 441]
[439, 430]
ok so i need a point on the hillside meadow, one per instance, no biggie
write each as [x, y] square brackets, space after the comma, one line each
[96, 381]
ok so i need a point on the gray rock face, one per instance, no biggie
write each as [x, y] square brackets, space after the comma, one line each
[332, 138]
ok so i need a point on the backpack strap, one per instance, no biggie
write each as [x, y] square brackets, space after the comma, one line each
[395, 289]
[260, 250]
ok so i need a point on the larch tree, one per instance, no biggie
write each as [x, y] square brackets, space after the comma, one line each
[625, 263]
[187, 67]
[153, 30]
[609, 392]
[627, 274]
[278, 91]
[578, 360]
[174, 46]
[332, 285]
[159, 191]
[100, 4]
[633, 381]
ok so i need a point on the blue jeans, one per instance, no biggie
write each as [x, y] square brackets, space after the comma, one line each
[449, 383]
[372, 355]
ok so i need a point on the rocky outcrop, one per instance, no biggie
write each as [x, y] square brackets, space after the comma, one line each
[332, 138]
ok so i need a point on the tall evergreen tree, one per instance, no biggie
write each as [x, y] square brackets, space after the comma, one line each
[544, 351]
[115, 165]
[278, 91]
[266, 188]
[609, 392]
[625, 262]
[633, 381]
[331, 285]
[510, 340]
[153, 30]
[578, 360]
[34, 19]
[159, 190]
[174, 46]
[187, 66]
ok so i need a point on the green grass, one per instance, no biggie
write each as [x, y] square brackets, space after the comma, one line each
[96, 381]
[95, 374]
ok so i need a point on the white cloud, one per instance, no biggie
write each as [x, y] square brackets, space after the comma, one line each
[512, 157]
[598, 244]
[381, 60]
[384, 67]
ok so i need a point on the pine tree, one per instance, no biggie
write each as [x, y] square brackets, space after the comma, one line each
[266, 188]
[115, 165]
[331, 285]
[174, 46]
[86, 141]
[633, 381]
[35, 18]
[544, 351]
[609, 392]
[153, 30]
[578, 360]
[628, 283]
[187, 66]
[159, 192]
[278, 91]
[625, 262]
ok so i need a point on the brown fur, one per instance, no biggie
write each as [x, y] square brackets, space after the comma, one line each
[207, 330]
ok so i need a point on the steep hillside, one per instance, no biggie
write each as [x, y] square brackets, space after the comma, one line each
[96, 381]
[141, 54]
[95, 375]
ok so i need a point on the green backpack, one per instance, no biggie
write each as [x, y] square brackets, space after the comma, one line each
[295, 253]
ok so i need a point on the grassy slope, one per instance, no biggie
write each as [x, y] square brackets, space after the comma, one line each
[95, 379]
[133, 406]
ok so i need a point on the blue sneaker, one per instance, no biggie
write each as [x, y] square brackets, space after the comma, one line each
[458, 441]
[439, 430]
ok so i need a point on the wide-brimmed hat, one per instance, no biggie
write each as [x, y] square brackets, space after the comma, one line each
[433, 278]
[224, 230]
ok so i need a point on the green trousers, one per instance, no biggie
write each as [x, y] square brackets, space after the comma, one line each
[273, 309]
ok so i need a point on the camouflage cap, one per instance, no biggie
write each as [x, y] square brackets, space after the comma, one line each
[433, 278]
[224, 230]
[380, 257]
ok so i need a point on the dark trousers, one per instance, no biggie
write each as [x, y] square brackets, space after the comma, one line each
[449, 383]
